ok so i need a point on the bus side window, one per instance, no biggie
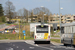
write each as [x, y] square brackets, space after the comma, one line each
[62, 29]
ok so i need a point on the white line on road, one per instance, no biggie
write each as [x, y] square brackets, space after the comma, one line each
[22, 49]
[17, 47]
[13, 45]
[31, 47]
[38, 45]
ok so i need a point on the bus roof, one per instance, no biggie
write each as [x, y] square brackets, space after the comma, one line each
[68, 24]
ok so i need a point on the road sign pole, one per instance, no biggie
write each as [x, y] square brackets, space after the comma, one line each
[19, 30]
[24, 37]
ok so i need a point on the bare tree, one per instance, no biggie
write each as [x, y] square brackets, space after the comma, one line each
[50, 18]
[9, 9]
[23, 13]
[31, 15]
[41, 11]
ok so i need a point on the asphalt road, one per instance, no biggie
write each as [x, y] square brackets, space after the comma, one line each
[29, 45]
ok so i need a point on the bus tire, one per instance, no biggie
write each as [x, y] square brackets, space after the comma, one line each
[35, 42]
[74, 46]
[65, 44]
[48, 42]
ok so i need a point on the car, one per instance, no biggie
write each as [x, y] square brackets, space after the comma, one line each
[1, 31]
[6, 30]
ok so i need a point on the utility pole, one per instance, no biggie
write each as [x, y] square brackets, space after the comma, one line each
[19, 30]
[60, 18]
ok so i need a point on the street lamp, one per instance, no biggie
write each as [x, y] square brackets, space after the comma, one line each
[43, 16]
[60, 17]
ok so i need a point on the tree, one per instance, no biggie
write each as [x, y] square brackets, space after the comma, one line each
[23, 13]
[50, 18]
[1, 10]
[2, 18]
[41, 11]
[31, 16]
[9, 9]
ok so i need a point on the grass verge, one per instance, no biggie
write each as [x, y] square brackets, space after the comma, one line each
[56, 40]
[14, 37]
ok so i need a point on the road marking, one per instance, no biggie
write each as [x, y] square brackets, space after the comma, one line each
[62, 47]
[9, 48]
[69, 48]
[17, 47]
[13, 45]
[38, 45]
[31, 47]
[22, 49]
[8, 42]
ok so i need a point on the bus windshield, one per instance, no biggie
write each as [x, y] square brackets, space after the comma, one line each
[40, 29]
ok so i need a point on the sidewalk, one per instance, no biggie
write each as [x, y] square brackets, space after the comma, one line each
[55, 38]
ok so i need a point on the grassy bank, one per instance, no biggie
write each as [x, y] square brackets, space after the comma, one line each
[55, 40]
[1, 23]
[14, 37]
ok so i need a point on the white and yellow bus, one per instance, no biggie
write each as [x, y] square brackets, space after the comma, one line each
[42, 33]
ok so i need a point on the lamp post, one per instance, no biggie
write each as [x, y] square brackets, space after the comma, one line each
[60, 17]
[43, 16]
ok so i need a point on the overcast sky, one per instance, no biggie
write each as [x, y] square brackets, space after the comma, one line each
[53, 5]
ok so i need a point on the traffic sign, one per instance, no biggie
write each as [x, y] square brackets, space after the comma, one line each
[24, 34]
[24, 31]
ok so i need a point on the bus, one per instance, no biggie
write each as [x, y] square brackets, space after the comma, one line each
[68, 34]
[42, 33]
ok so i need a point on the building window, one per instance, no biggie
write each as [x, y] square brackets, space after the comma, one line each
[68, 17]
[61, 16]
[74, 17]
[68, 20]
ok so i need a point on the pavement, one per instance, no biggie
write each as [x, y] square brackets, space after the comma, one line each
[55, 38]
[30, 45]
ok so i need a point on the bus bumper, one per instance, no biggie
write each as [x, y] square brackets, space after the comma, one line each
[41, 40]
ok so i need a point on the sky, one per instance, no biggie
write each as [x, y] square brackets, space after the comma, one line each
[53, 5]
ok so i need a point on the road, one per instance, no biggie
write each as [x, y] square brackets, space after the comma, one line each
[29, 45]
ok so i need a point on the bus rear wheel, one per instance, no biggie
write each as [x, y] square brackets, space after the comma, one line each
[65, 44]
[48, 42]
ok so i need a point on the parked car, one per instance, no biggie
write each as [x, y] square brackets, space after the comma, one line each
[1, 31]
[6, 30]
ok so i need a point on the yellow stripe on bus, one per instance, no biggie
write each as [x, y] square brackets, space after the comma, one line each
[46, 36]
